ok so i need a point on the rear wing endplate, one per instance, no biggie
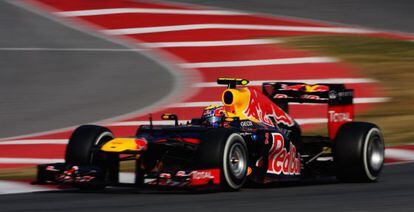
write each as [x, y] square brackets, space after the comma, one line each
[338, 98]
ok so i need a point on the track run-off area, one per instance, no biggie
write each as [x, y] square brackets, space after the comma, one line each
[203, 44]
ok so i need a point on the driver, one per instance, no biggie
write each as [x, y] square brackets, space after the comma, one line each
[213, 115]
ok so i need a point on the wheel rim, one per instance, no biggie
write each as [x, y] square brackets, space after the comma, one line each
[237, 161]
[375, 154]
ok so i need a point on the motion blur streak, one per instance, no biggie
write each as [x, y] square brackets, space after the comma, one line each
[128, 31]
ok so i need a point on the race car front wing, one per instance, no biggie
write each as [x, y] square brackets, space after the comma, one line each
[78, 176]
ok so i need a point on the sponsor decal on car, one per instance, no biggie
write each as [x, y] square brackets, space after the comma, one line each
[305, 87]
[287, 87]
[262, 109]
[281, 96]
[282, 161]
[84, 179]
[203, 177]
[339, 117]
[246, 124]
[182, 174]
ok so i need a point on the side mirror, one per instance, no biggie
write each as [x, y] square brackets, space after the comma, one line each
[170, 117]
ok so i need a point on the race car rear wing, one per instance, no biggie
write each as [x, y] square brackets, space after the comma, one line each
[338, 98]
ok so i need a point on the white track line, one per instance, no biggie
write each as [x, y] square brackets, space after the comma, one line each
[371, 100]
[263, 62]
[398, 163]
[126, 177]
[311, 121]
[111, 11]
[399, 154]
[308, 81]
[11, 187]
[29, 160]
[35, 141]
[171, 28]
[212, 43]
[69, 49]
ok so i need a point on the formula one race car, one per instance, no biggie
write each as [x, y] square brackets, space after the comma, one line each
[250, 138]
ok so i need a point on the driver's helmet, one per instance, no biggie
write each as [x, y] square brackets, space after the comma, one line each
[213, 115]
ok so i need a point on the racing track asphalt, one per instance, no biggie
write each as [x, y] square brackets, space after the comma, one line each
[383, 14]
[394, 192]
[45, 90]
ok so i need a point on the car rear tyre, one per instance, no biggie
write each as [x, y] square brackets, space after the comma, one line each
[359, 152]
[225, 149]
[83, 150]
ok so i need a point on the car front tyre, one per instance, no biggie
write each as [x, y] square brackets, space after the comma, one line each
[234, 162]
[83, 150]
[224, 149]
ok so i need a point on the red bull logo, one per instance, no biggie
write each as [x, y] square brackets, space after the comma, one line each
[292, 87]
[305, 87]
[261, 109]
[282, 161]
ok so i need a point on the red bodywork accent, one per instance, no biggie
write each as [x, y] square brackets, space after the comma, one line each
[337, 116]
[191, 140]
[204, 177]
[141, 143]
[187, 140]
[262, 108]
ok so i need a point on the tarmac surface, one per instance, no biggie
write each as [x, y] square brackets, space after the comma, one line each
[393, 192]
[392, 15]
[52, 76]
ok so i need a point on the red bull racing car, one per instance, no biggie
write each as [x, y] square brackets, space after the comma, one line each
[249, 138]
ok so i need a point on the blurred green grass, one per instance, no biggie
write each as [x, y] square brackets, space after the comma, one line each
[18, 173]
[387, 60]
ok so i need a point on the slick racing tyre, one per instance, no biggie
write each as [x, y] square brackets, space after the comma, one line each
[82, 150]
[358, 152]
[225, 149]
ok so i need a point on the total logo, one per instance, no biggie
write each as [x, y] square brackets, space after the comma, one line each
[339, 117]
[280, 160]
[199, 175]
